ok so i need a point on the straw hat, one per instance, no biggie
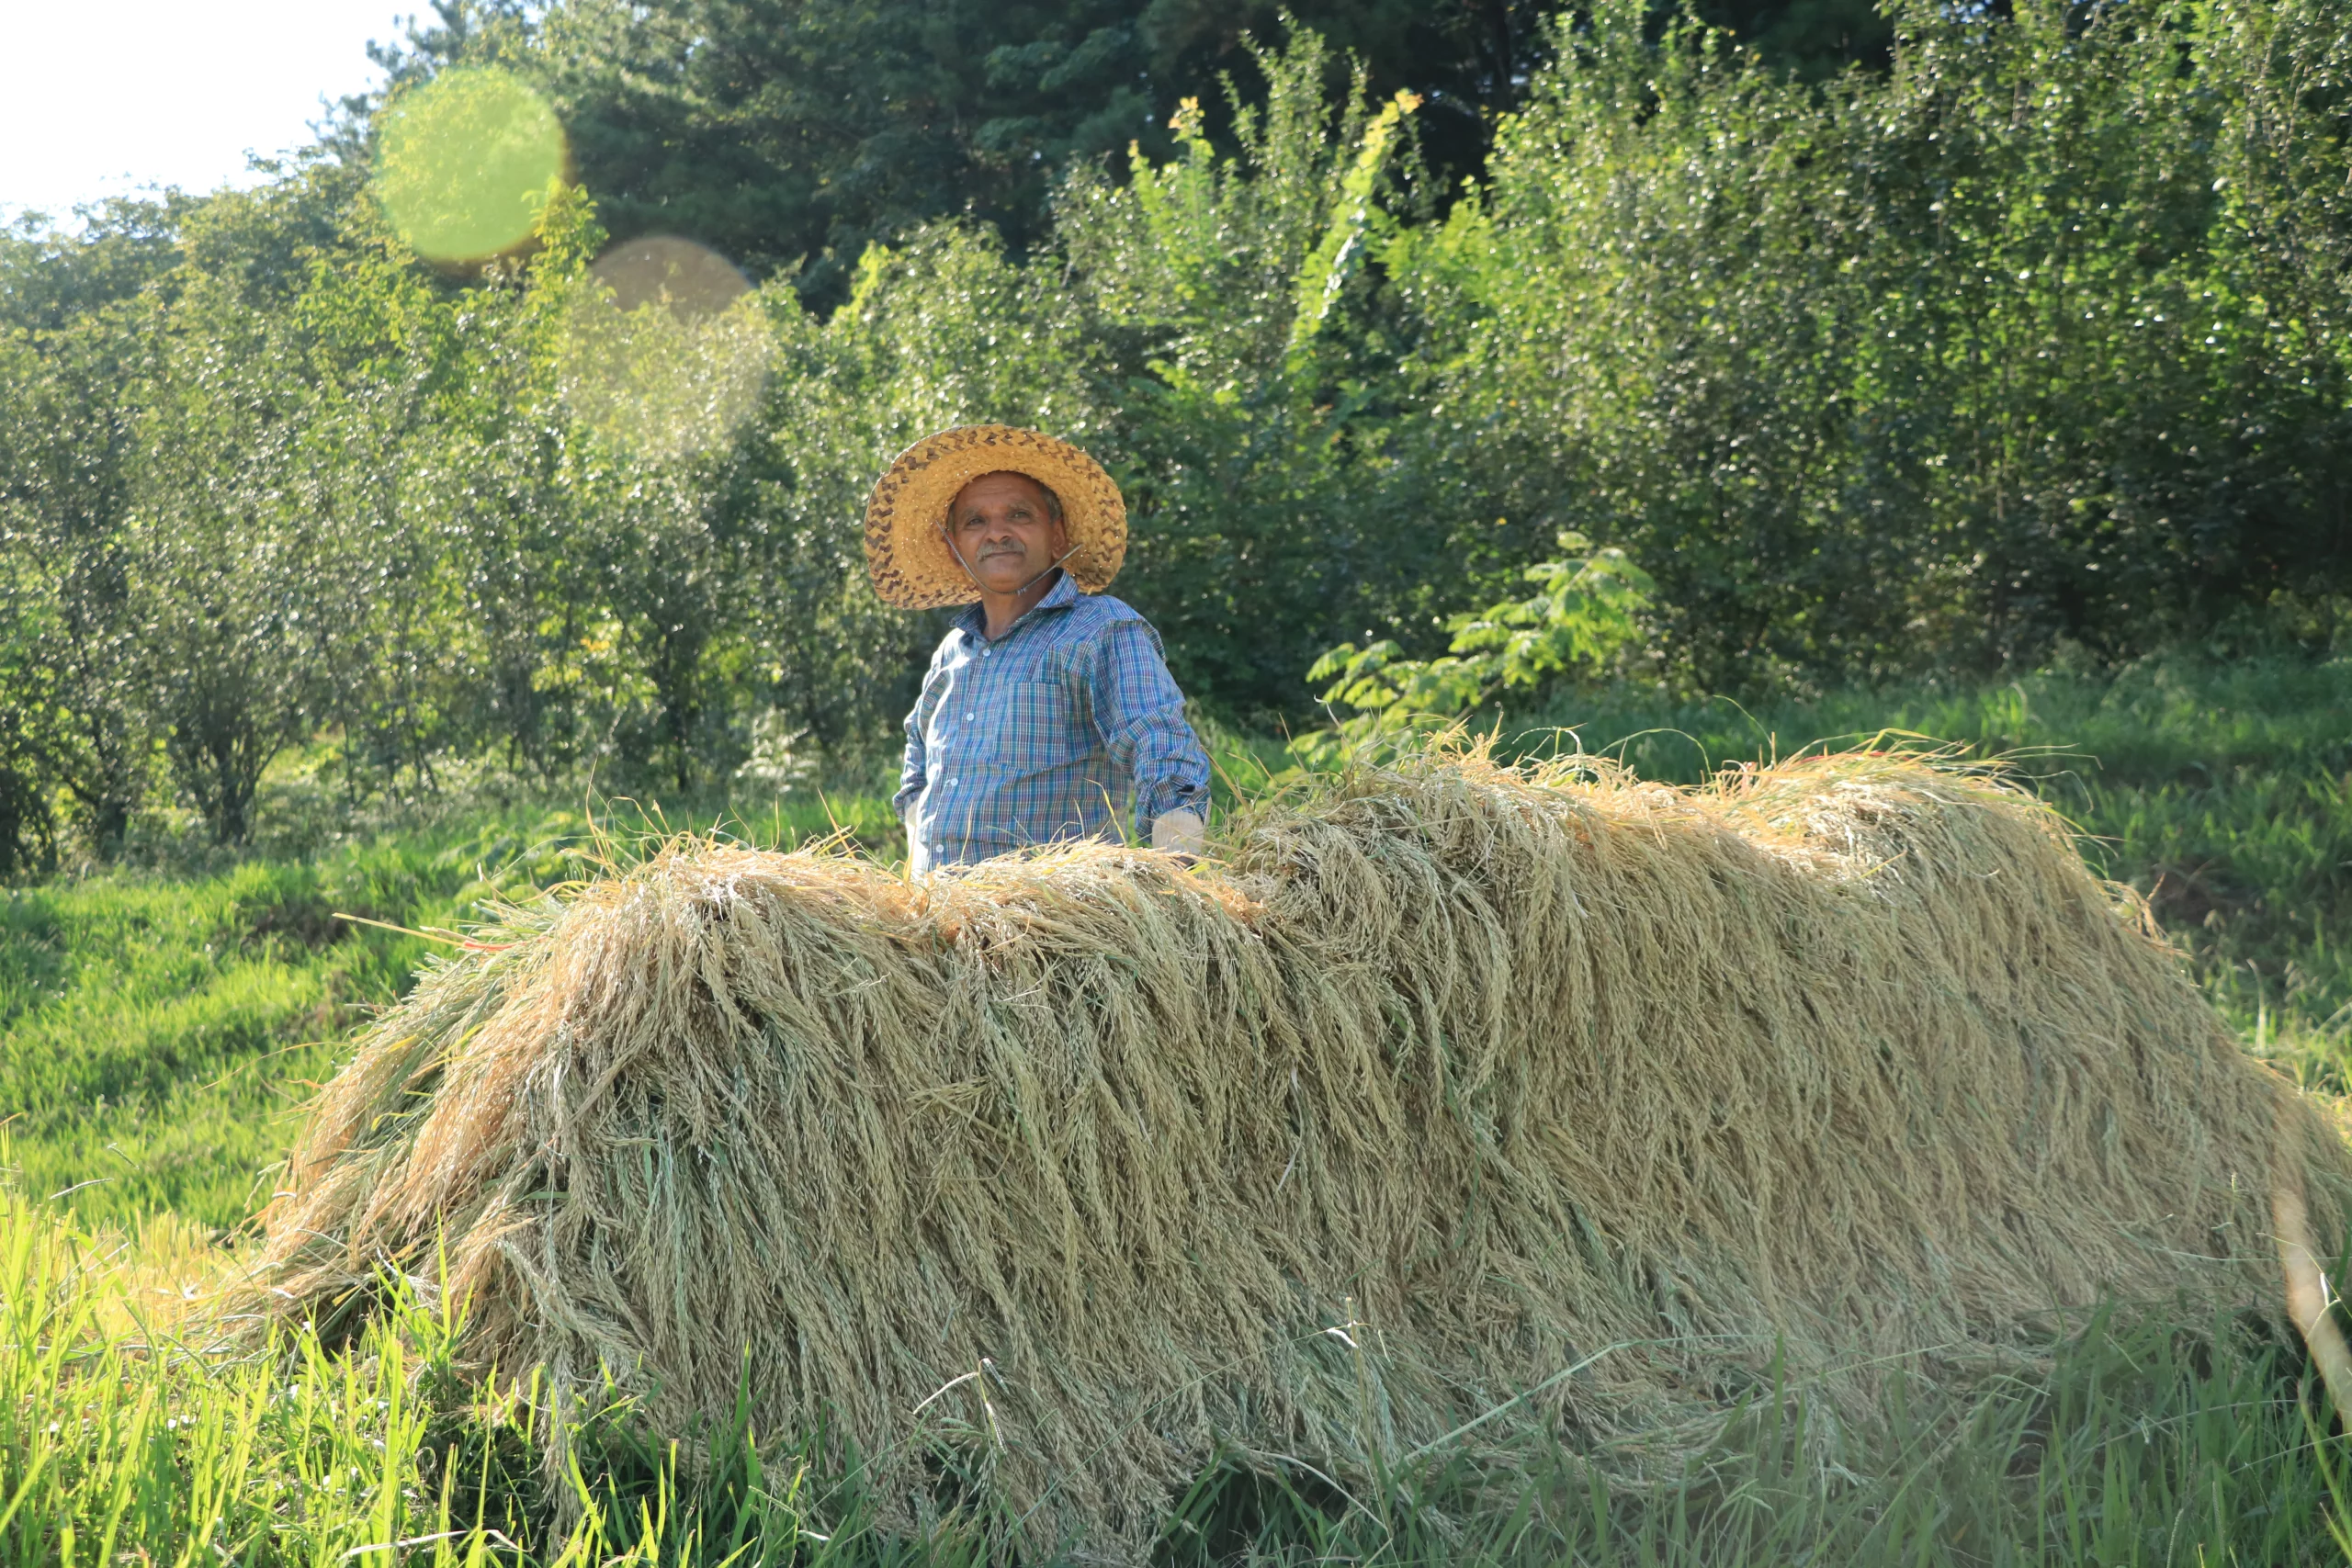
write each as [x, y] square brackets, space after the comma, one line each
[906, 550]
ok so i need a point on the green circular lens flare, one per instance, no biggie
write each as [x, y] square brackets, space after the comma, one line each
[463, 164]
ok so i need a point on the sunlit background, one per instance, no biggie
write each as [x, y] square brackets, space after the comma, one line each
[110, 96]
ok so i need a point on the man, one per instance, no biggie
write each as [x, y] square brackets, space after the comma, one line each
[1048, 713]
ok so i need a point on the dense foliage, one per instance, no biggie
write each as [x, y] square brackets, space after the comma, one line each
[790, 133]
[2044, 335]
[2034, 337]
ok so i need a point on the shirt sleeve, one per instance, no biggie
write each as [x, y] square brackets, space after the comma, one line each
[1140, 713]
[913, 772]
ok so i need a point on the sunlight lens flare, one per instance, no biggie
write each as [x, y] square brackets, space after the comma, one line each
[689, 280]
[664, 349]
[463, 164]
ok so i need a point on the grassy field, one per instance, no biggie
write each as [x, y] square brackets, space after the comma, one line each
[162, 1023]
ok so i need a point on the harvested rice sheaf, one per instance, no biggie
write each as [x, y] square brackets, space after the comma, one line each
[1452, 1107]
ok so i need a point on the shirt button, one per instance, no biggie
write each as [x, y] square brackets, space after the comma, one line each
[951, 784]
[968, 718]
[984, 652]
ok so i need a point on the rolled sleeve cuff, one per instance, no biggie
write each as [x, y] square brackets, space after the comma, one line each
[1156, 798]
[1170, 771]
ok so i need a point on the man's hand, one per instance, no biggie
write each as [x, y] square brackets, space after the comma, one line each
[1179, 832]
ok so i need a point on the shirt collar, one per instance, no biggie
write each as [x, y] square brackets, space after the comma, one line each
[1061, 596]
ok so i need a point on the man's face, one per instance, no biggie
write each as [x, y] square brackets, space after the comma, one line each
[1004, 527]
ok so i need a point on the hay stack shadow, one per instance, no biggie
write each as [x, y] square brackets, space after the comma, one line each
[1457, 1106]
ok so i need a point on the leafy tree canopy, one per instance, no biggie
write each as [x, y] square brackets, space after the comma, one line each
[2034, 340]
[792, 133]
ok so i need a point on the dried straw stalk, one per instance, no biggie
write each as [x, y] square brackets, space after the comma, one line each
[1075, 1171]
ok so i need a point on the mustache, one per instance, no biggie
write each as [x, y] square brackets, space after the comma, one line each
[992, 551]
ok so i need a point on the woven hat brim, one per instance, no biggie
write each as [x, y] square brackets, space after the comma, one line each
[907, 552]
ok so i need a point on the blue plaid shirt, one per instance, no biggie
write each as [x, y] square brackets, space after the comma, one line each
[1047, 733]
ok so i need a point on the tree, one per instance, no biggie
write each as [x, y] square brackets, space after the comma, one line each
[1581, 621]
[65, 453]
[1810, 38]
[232, 461]
[2036, 336]
[27, 826]
[790, 134]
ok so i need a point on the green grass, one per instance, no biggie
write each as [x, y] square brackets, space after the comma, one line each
[158, 1025]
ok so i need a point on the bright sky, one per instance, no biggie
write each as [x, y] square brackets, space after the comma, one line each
[102, 98]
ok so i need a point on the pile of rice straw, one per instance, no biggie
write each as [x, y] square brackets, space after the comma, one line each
[1452, 1107]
